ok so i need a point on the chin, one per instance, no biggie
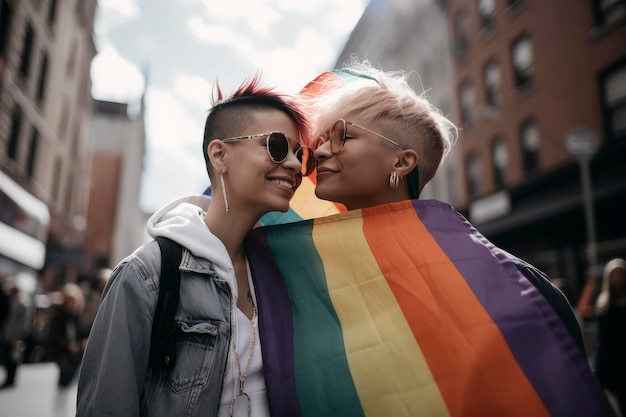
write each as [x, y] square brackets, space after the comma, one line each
[281, 207]
[324, 195]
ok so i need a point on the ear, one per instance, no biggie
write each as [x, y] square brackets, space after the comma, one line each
[217, 155]
[406, 162]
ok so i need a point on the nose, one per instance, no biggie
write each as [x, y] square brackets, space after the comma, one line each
[322, 151]
[292, 162]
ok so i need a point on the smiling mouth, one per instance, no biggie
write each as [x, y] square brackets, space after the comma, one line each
[324, 173]
[283, 183]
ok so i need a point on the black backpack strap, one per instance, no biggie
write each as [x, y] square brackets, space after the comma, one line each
[163, 342]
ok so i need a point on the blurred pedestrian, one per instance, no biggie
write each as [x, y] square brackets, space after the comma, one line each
[611, 314]
[4, 303]
[97, 281]
[16, 327]
[65, 341]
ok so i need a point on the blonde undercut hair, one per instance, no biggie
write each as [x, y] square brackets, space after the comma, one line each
[387, 99]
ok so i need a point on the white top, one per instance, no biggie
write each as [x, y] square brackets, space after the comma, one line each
[254, 384]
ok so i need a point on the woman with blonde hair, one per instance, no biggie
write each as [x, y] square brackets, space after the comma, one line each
[400, 306]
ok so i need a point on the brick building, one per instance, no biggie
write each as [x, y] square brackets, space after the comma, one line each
[46, 48]
[527, 75]
[519, 77]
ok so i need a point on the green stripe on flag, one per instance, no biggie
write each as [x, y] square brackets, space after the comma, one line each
[323, 380]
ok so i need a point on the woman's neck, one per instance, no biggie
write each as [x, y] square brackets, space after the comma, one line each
[231, 228]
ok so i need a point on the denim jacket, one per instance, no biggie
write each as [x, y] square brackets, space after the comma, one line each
[115, 379]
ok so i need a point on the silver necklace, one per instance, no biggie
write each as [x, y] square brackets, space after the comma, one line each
[242, 376]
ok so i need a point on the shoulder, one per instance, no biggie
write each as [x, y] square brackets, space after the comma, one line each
[553, 296]
[142, 267]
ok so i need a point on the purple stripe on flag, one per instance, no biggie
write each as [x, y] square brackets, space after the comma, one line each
[276, 326]
[535, 334]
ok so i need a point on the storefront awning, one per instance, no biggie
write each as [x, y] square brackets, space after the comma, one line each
[14, 243]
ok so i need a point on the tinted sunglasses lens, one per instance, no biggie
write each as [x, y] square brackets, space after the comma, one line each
[337, 135]
[305, 156]
[278, 147]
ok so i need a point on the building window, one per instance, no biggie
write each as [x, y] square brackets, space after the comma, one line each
[6, 14]
[473, 174]
[486, 10]
[614, 95]
[27, 52]
[522, 57]
[75, 137]
[607, 12]
[56, 179]
[461, 34]
[14, 135]
[515, 3]
[71, 61]
[493, 83]
[69, 192]
[52, 12]
[530, 137]
[468, 104]
[64, 121]
[43, 75]
[500, 160]
[32, 153]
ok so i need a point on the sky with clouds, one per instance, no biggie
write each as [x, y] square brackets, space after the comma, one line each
[184, 46]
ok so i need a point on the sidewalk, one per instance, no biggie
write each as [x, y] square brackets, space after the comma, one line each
[35, 393]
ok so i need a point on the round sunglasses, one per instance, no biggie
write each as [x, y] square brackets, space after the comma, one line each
[339, 133]
[278, 146]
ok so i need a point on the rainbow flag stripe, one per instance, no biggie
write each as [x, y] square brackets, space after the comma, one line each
[404, 310]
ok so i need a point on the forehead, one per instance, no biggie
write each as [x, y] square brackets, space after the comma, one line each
[271, 120]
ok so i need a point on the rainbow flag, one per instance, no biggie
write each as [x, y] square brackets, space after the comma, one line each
[404, 310]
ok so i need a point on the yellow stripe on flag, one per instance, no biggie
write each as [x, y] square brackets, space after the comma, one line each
[388, 367]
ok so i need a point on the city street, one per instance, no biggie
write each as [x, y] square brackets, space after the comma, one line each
[35, 393]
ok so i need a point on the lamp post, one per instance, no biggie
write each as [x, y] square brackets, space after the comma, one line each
[582, 144]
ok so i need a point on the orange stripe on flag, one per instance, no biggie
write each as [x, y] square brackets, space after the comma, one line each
[466, 352]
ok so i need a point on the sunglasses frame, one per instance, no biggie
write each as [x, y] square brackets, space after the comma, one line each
[345, 134]
[307, 168]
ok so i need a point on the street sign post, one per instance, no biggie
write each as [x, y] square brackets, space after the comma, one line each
[582, 144]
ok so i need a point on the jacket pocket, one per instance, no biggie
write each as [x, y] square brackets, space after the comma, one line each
[195, 346]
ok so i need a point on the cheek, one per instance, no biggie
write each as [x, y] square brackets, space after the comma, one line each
[369, 166]
[366, 175]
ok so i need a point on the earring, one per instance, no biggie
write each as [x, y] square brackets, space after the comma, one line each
[393, 180]
[224, 193]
